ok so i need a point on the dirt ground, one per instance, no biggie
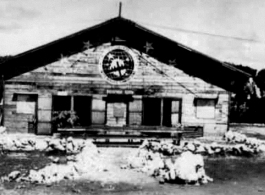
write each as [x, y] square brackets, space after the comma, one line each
[231, 176]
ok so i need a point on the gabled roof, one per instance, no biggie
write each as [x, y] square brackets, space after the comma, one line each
[135, 36]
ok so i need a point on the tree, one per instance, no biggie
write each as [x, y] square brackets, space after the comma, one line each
[248, 104]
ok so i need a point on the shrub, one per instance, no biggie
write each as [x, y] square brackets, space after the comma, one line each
[63, 119]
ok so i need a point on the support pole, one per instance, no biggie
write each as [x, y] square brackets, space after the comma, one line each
[228, 111]
[3, 101]
[120, 9]
[161, 112]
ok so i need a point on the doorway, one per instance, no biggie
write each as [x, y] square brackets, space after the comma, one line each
[151, 111]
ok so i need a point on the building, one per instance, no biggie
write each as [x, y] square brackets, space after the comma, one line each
[117, 74]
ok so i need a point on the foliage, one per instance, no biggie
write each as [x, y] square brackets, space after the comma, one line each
[247, 110]
[65, 118]
[239, 111]
[248, 104]
[4, 58]
[247, 69]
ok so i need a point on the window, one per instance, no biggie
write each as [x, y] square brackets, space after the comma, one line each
[171, 112]
[81, 105]
[161, 112]
[117, 113]
[26, 103]
[205, 108]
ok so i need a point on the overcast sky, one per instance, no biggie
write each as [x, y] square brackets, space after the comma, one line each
[229, 30]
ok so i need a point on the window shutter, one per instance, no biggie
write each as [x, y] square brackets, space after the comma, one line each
[135, 112]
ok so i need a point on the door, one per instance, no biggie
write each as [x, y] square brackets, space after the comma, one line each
[26, 108]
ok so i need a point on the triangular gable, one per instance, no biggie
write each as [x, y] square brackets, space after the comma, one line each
[122, 31]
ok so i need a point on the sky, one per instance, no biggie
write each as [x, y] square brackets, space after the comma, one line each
[228, 30]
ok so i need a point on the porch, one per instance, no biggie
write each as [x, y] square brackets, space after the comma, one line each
[130, 136]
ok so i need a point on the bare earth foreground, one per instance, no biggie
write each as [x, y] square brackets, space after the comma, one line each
[231, 176]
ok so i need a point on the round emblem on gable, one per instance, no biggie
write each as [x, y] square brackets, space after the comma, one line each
[118, 64]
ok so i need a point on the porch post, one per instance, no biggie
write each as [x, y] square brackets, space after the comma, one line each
[2, 100]
[228, 111]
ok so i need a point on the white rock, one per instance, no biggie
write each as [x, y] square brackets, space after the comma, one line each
[209, 149]
[190, 147]
[56, 144]
[186, 167]
[41, 145]
[14, 175]
[261, 148]
[172, 174]
[200, 149]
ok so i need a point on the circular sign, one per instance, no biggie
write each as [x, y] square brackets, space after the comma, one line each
[118, 64]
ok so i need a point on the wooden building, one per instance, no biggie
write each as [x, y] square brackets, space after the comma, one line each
[117, 74]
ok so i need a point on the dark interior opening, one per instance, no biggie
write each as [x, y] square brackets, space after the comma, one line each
[82, 107]
[167, 113]
[151, 111]
[118, 98]
[61, 103]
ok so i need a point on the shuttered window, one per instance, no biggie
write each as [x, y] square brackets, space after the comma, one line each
[98, 111]
[135, 112]
[26, 103]
[205, 108]
[175, 112]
